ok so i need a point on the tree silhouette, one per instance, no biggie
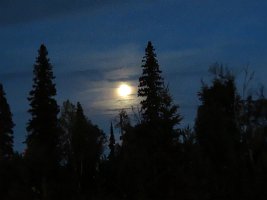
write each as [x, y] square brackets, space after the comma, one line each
[6, 127]
[157, 104]
[150, 85]
[111, 143]
[254, 129]
[6, 146]
[147, 148]
[43, 133]
[82, 144]
[218, 129]
[217, 125]
[66, 120]
[169, 115]
[123, 123]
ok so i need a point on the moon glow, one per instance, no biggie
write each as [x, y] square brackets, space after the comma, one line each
[124, 90]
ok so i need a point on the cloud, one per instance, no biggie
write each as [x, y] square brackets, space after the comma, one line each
[96, 77]
[18, 11]
[15, 76]
[113, 65]
[116, 74]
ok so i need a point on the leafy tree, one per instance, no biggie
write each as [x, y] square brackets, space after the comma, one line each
[123, 123]
[217, 123]
[83, 144]
[43, 133]
[79, 144]
[6, 128]
[254, 134]
[218, 130]
[66, 120]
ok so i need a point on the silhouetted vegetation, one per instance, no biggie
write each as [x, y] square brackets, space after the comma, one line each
[223, 157]
[6, 129]
[6, 144]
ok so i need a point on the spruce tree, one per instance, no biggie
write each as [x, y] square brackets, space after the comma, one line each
[111, 143]
[6, 127]
[43, 133]
[169, 112]
[150, 144]
[150, 85]
[156, 104]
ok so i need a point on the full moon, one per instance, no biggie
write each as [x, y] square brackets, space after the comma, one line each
[124, 90]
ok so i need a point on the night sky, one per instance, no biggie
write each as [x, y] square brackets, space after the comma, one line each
[95, 45]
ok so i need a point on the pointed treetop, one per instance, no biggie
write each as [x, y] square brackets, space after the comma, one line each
[150, 53]
[150, 85]
[111, 128]
[112, 138]
[42, 129]
[43, 46]
[149, 46]
[111, 144]
[43, 50]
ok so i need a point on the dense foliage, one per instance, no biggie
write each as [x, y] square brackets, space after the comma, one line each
[223, 157]
[6, 128]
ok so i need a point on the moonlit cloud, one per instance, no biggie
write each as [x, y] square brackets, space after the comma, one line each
[100, 74]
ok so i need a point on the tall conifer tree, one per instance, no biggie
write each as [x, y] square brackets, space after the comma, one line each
[151, 144]
[157, 104]
[43, 133]
[6, 127]
[150, 85]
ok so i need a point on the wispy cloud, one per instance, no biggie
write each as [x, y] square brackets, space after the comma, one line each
[15, 75]
[98, 76]
[17, 11]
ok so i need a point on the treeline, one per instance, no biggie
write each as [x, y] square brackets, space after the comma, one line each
[223, 157]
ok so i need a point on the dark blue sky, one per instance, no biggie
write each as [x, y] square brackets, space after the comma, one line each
[95, 45]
